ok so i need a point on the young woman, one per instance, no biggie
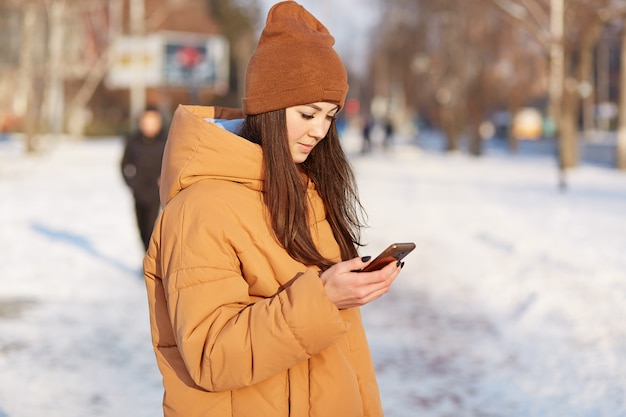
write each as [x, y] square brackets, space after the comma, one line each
[251, 271]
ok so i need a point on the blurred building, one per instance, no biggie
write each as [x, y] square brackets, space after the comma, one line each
[73, 65]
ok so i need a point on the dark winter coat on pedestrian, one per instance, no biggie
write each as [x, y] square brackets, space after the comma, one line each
[141, 169]
[141, 165]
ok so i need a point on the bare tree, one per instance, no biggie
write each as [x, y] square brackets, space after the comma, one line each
[575, 26]
[26, 84]
[69, 41]
[54, 79]
[457, 61]
[45, 61]
[615, 12]
[238, 21]
[621, 130]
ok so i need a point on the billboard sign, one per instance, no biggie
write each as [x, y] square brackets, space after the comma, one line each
[170, 59]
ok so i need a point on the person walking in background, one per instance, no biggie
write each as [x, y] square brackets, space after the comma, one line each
[141, 168]
[368, 124]
[388, 131]
[252, 270]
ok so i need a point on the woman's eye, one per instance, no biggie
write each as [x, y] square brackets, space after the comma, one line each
[331, 118]
[307, 116]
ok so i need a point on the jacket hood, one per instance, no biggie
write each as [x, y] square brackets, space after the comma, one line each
[199, 149]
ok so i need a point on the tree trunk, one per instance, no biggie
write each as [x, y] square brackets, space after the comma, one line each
[54, 95]
[137, 13]
[568, 131]
[557, 59]
[569, 144]
[475, 111]
[621, 131]
[27, 76]
[75, 117]
[585, 74]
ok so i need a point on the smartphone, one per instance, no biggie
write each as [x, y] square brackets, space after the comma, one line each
[394, 252]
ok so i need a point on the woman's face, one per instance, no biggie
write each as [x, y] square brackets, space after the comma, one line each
[307, 125]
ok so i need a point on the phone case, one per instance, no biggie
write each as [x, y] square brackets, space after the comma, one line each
[394, 252]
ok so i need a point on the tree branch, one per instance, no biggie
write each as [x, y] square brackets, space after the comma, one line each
[519, 14]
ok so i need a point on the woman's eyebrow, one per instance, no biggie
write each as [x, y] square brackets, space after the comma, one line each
[318, 108]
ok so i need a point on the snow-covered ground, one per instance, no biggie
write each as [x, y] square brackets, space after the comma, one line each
[512, 305]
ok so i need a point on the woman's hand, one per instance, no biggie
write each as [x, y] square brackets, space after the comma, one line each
[347, 288]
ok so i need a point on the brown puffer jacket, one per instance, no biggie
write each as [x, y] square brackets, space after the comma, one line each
[239, 328]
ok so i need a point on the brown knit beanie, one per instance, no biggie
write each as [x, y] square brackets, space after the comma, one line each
[294, 63]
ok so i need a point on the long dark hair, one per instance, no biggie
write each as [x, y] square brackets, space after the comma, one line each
[284, 189]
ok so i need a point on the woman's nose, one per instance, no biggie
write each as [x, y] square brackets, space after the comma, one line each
[319, 129]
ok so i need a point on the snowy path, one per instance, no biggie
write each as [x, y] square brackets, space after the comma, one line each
[512, 305]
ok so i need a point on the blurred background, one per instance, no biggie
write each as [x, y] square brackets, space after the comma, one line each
[513, 70]
[490, 132]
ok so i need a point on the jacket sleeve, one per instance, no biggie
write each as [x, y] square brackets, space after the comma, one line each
[227, 338]
[128, 166]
